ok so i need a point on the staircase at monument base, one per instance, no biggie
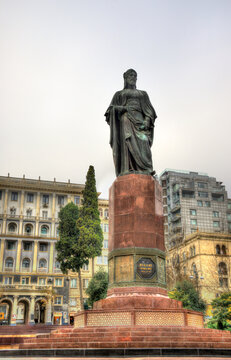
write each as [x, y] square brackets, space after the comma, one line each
[130, 337]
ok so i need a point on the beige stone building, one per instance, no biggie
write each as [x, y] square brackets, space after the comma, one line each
[205, 258]
[32, 286]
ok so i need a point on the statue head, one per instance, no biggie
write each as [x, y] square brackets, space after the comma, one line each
[130, 77]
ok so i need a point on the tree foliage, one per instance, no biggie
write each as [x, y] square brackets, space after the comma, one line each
[88, 224]
[186, 292]
[97, 288]
[221, 312]
[81, 236]
[68, 238]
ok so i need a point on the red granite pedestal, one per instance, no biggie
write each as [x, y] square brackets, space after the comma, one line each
[137, 281]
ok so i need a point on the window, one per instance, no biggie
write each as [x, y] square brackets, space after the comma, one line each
[30, 197]
[14, 196]
[105, 227]
[229, 206]
[228, 216]
[218, 249]
[105, 244]
[188, 194]
[57, 264]
[86, 267]
[101, 212]
[25, 280]
[223, 250]
[0, 194]
[42, 263]
[203, 194]
[45, 214]
[29, 212]
[106, 213]
[194, 269]
[42, 281]
[207, 204]
[105, 260]
[218, 197]
[8, 280]
[73, 283]
[229, 225]
[223, 282]
[27, 246]
[73, 302]
[193, 222]
[199, 203]
[12, 227]
[45, 199]
[99, 260]
[28, 229]
[222, 269]
[193, 212]
[77, 200]
[26, 263]
[216, 224]
[216, 214]
[44, 230]
[58, 300]
[9, 262]
[58, 282]
[184, 256]
[11, 245]
[202, 185]
[60, 200]
[184, 270]
[43, 246]
[101, 225]
[85, 283]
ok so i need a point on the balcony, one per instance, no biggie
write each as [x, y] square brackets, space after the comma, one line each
[176, 217]
[175, 208]
[42, 270]
[12, 216]
[29, 217]
[9, 268]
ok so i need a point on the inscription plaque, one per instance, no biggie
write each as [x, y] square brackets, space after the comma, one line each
[146, 268]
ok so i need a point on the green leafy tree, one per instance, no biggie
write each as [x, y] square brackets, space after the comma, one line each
[221, 312]
[97, 288]
[186, 292]
[81, 237]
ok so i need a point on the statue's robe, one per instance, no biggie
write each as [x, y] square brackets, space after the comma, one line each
[130, 142]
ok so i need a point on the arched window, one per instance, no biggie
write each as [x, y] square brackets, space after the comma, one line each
[223, 250]
[42, 263]
[9, 262]
[218, 249]
[26, 263]
[222, 269]
[191, 251]
[194, 268]
[194, 250]
[44, 229]
[28, 229]
[106, 213]
[101, 212]
[12, 227]
[57, 264]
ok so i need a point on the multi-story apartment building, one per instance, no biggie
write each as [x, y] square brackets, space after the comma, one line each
[193, 201]
[32, 286]
[205, 258]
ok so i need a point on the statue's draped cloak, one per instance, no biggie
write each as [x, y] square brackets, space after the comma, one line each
[130, 143]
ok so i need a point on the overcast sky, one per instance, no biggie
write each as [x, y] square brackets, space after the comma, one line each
[61, 61]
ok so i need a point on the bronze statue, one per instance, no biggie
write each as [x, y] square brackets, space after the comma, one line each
[131, 118]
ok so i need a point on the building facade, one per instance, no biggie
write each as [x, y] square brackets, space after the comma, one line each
[32, 286]
[205, 258]
[193, 201]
